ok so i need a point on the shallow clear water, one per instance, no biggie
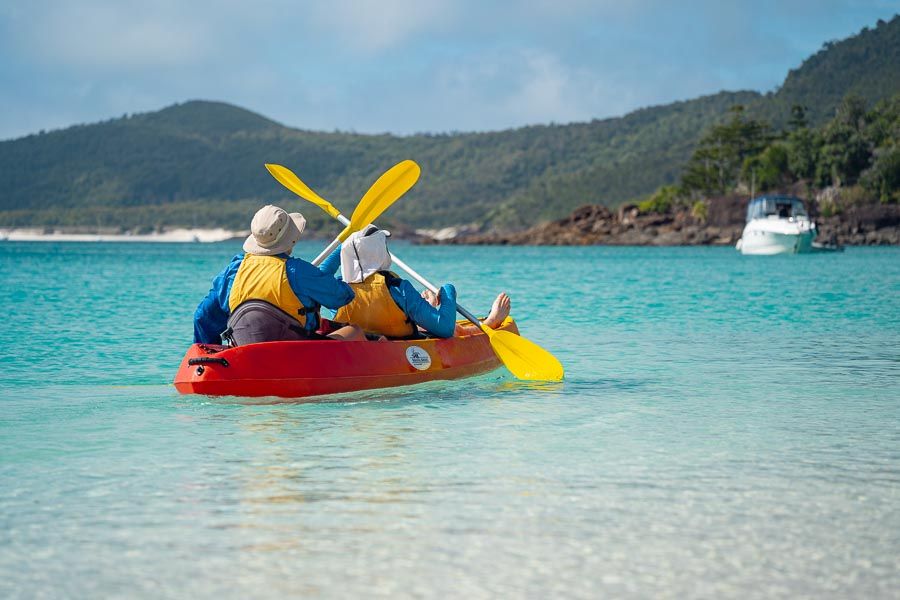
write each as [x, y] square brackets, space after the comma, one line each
[729, 427]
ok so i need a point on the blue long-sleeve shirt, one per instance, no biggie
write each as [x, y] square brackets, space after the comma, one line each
[313, 286]
[439, 321]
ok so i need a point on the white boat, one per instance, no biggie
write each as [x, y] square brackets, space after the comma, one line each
[777, 225]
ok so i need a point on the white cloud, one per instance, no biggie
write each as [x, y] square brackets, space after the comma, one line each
[376, 25]
[396, 65]
[136, 34]
[551, 88]
[112, 35]
[517, 87]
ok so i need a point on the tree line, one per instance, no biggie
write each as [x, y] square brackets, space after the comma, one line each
[856, 152]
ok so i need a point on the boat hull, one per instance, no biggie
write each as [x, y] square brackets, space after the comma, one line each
[312, 368]
[777, 238]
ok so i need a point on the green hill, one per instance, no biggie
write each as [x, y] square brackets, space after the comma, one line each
[201, 163]
[865, 65]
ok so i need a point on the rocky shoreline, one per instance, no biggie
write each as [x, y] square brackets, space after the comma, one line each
[722, 225]
[867, 224]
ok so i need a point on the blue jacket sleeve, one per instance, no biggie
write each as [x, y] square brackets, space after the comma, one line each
[314, 287]
[439, 321]
[331, 263]
[211, 316]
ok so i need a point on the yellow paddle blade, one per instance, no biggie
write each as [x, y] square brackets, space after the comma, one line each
[395, 182]
[524, 358]
[343, 235]
[287, 178]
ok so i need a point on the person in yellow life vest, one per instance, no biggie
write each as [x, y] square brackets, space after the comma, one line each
[265, 294]
[388, 305]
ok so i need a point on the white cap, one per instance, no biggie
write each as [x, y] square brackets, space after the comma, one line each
[363, 253]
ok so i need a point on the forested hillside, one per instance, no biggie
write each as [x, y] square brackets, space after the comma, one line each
[866, 65]
[201, 163]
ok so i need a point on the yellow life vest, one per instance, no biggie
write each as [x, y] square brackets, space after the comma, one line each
[265, 278]
[374, 309]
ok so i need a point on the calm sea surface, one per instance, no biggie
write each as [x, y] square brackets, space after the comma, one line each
[729, 427]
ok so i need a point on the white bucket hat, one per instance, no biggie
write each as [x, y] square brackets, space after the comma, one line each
[363, 253]
[273, 231]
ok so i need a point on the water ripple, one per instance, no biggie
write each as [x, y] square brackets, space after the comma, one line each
[727, 428]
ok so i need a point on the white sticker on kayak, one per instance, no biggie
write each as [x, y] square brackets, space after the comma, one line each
[418, 358]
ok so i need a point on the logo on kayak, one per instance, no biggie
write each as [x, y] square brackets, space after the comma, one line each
[418, 358]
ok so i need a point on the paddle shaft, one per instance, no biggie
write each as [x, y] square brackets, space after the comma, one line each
[409, 270]
[386, 190]
[334, 244]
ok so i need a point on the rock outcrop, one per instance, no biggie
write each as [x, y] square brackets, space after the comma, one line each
[596, 224]
[867, 224]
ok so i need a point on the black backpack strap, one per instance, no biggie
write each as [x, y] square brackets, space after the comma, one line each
[227, 337]
[312, 316]
[391, 279]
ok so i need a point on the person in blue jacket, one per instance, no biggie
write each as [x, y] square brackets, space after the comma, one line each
[390, 306]
[266, 294]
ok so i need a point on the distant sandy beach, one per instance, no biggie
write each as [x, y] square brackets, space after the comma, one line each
[172, 236]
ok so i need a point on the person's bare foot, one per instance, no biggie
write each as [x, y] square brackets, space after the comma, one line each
[499, 311]
[431, 298]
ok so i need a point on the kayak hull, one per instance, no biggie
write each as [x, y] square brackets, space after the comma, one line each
[312, 368]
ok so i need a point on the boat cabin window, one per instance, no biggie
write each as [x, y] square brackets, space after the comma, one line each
[782, 207]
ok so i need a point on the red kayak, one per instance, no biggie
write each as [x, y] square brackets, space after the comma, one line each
[311, 368]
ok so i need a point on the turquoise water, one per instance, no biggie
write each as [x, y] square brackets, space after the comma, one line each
[729, 427]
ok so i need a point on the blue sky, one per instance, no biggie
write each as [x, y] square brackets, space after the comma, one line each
[399, 66]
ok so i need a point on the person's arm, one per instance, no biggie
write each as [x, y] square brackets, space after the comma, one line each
[209, 321]
[211, 316]
[313, 285]
[440, 321]
[332, 263]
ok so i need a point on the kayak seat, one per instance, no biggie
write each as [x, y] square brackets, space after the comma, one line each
[257, 321]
